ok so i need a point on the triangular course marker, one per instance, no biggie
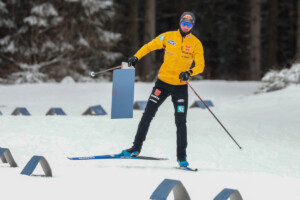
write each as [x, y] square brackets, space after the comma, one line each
[198, 104]
[21, 111]
[140, 105]
[163, 190]
[6, 157]
[55, 111]
[31, 165]
[231, 194]
[95, 110]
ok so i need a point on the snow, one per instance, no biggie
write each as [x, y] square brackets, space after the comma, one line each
[23, 29]
[94, 6]
[28, 77]
[276, 80]
[266, 126]
[109, 37]
[33, 20]
[44, 10]
[2, 7]
[6, 23]
[41, 14]
[66, 46]
[67, 80]
[83, 42]
[5, 40]
[30, 74]
[11, 47]
[49, 45]
[111, 56]
[56, 20]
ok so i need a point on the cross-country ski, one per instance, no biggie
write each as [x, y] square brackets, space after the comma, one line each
[116, 156]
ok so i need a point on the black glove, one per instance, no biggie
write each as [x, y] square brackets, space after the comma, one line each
[132, 61]
[185, 76]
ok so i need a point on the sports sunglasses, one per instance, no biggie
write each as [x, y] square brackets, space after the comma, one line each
[189, 25]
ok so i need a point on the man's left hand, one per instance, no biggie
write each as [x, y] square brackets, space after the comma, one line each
[185, 76]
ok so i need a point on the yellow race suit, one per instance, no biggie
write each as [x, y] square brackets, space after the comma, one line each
[180, 52]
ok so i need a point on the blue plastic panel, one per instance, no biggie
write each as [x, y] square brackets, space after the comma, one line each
[33, 162]
[123, 93]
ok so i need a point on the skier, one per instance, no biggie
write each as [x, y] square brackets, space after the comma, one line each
[181, 49]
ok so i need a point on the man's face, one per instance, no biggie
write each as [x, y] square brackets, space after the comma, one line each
[186, 26]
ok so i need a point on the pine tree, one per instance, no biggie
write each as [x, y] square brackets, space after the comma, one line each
[297, 58]
[54, 39]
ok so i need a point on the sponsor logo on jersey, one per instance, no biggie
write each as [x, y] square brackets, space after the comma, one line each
[172, 42]
[180, 100]
[187, 48]
[153, 100]
[161, 37]
[180, 109]
[186, 52]
[155, 97]
[157, 92]
[168, 52]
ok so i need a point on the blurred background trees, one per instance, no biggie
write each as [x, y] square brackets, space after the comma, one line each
[47, 40]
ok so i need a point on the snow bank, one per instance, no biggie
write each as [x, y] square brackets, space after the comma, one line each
[67, 80]
[276, 80]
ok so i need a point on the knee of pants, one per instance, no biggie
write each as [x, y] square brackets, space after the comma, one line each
[148, 115]
[180, 120]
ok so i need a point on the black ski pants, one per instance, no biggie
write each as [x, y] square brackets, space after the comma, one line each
[160, 92]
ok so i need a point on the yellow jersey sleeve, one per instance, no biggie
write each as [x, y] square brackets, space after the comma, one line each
[199, 59]
[156, 43]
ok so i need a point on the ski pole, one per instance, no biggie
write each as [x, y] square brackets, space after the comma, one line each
[93, 74]
[214, 115]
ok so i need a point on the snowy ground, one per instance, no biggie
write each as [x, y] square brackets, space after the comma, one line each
[265, 125]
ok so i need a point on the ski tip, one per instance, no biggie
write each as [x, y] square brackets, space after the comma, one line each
[192, 169]
[187, 169]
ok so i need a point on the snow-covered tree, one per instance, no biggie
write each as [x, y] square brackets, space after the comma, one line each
[276, 80]
[48, 40]
[7, 46]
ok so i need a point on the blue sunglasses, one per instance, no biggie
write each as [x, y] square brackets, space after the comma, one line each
[189, 25]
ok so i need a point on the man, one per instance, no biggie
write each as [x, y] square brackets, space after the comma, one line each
[181, 49]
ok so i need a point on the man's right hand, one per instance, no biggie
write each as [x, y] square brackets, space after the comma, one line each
[132, 61]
